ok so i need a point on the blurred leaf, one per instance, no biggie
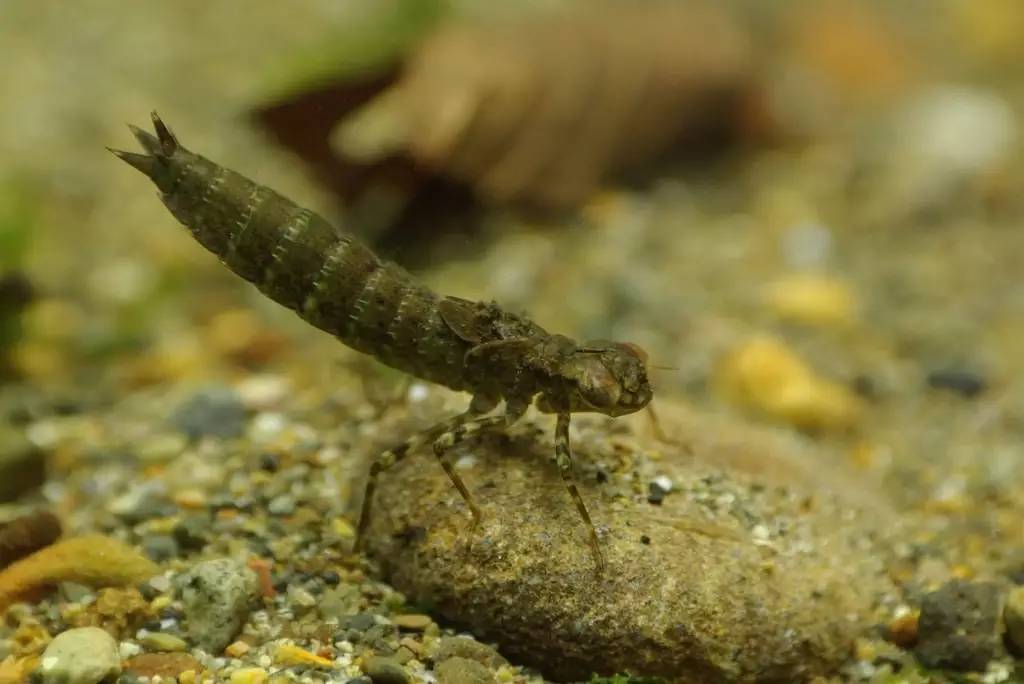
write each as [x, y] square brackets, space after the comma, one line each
[368, 46]
[19, 213]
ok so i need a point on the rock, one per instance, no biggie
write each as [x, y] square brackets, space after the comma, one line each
[165, 665]
[763, 563]
[22, 466]
[217, 595]
[85, 655]
[1013, 616]
[159, 641]
[463, 671]
[385, 671]
[192, 532]
[160, 547]
[959, 626]
[967, 383]
[414, 622]
[463, 647]
[212, 412]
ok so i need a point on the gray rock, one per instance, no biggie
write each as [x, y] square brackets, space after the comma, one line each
[733, 577]
[217, 596]
[463, 647]
[160, 547]
[385, 671]
[959, 626]
[463, 671]
[1013, 615]
[282, 505]
[212, 412]
[85, 655]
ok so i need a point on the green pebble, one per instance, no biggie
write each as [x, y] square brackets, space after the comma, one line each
[385, 671]
[159, 641]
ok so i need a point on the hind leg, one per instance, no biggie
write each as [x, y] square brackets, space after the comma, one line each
[389, 458]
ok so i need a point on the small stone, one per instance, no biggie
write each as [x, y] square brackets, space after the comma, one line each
[339, 602]
[212, 412]
[959, 626]
[192, 532]
[414, 622]
[216, 595]
[655, 493]
[463, 671]
[903, 629]
[237, 649]
[464, 647]
[165, 665]
[1013, 615]
[385, 671]
[249, 675]
[966, 383]
[300, 597]
[282, 505]
[160, 547]
[73, 592]
[359, 622]
[85, 655]
[159, 641]
[190, 499]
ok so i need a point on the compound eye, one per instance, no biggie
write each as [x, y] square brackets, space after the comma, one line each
[599, 388]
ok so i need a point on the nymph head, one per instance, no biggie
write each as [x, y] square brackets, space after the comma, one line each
[606, 377]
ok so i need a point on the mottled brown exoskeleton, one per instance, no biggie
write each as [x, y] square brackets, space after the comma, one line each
[336, 283]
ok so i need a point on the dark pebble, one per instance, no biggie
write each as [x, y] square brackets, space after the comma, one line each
[191, 534]
[211, 412]
[644, 539]
[359, 622]
[269, 462]
[360, 680]
[959, 626]
[331, 578]
[966, 383]
[655, 494]
[160, 547]
[153, 625]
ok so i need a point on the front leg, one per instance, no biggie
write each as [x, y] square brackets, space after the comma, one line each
[563, 457]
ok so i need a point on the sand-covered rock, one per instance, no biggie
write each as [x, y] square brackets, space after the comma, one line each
[760, 563]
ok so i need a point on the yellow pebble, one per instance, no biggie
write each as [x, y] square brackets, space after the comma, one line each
[237, 649]
[160, 602]
[187, 677]
[812, 300]
[249, 675]
[343, 528]
[287, 654]
[765, 376]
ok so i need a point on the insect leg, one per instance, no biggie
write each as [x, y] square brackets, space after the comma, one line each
[563, 457]
[453, 436]
[394, 455]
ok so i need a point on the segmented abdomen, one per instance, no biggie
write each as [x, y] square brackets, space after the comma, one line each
[328, 277]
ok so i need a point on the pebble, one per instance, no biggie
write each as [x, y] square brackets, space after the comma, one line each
[383, 670]
[812, 300]
[959, 626]
[415, 622]
[713, 603]
[1013, 616]
[249, 675]
[216, 596]
[282, 505]
[192, 532]
[464, 647]
[160, 641]
[212, 412]
[166, 665]
[966, 383]
[462, 671]
[160, 547]
[85, 655]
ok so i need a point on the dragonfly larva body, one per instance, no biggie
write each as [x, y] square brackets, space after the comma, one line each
[335, 282]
